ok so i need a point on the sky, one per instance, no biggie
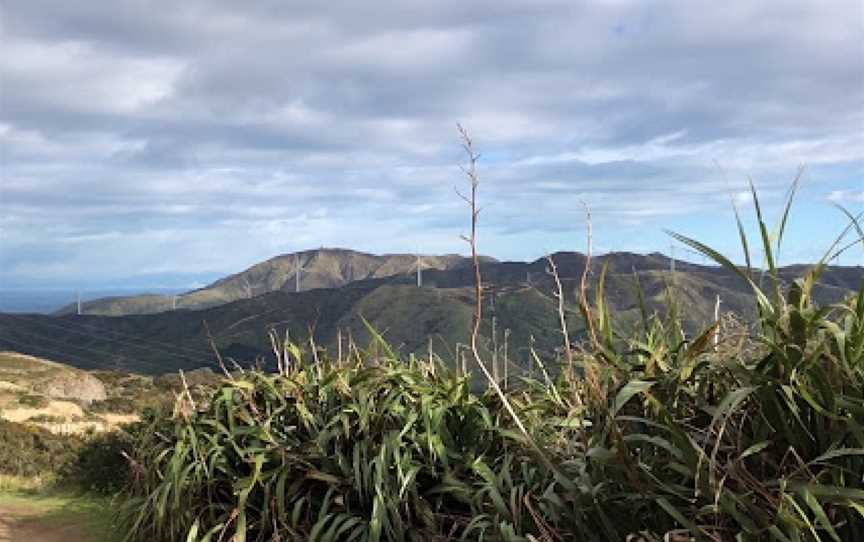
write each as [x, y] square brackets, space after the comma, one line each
[157, 143]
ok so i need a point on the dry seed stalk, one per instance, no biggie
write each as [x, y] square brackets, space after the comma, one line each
[471, 173]
[559, 295]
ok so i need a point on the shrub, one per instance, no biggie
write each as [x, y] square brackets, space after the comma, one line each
[100, 465]
[46, 418]
[752, 434]
[360, 450]
[33, 401]
[89, 462]
[27, 450]
[119, 405]
[662, 437]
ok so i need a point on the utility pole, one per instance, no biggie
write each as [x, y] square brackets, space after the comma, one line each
[465, 363]
[173, 302]
[506, 361]
[430, 351]
[79, 302]
[495, 370]
[419, 271]
[461, 360]
[717, 323]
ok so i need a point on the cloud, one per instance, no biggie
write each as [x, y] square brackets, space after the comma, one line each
[195, 128]
[846, 196]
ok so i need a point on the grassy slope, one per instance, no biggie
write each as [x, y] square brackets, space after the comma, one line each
[20, 375]
[324, 268]
[26, 371]
[54, 517]
[409, 316]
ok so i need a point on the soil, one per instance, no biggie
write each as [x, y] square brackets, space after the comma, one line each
[20, 522]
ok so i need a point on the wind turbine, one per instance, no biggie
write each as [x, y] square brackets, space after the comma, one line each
[249, 287]
[298, 269]
[419, 271]
[671, 258]
[697, 254]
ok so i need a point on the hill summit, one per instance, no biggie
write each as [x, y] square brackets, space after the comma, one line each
[318, 268]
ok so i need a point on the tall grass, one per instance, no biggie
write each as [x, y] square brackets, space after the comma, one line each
[743, 433]
[332, 452]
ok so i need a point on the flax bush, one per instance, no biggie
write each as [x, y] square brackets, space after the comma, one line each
[744, 432]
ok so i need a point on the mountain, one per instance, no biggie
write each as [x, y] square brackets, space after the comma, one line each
[407, 316]
[321, 268]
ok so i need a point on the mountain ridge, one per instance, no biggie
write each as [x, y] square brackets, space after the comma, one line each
[320, 268]
[408, 316]
[339, 267]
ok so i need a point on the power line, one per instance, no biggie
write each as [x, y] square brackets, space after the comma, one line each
[169, 347]
[62, 355]
[66, 345]
[149, 347]
[178, 348]
[42, 336]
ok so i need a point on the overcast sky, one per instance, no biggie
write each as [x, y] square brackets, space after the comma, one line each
[149, 142]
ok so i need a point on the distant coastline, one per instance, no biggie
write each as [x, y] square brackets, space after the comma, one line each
[48, 300]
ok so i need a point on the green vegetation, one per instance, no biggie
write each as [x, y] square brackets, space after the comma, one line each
[33, 401]
[734, 434]
[91, 462]
[634, 423]
[79, 518]
[29, 451]
[158, 343]
[130, 393]
[322, 268]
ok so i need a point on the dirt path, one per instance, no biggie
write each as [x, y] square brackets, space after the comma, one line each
[35, 522]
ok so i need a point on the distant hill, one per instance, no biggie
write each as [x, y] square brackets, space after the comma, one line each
[408, 316]
[321, 268]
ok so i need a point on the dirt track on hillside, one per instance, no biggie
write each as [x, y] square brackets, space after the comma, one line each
[19, 522]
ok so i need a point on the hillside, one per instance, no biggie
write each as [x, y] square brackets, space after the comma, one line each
[62, 398]
[322, 268]
[407, 316]
[30, 374]
[51, 394]
[335, 268]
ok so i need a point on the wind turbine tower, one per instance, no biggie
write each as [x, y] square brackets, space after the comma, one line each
[419, 271]
[298, 269]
